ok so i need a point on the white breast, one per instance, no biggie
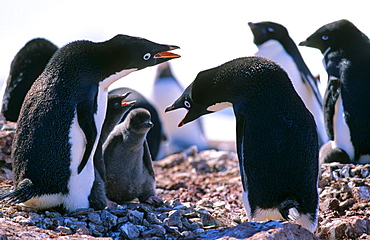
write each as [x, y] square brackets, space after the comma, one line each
[342, 137]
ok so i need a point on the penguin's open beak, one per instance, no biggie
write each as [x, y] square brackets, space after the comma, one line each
[193, 113]
[168, 55]
[125, 96]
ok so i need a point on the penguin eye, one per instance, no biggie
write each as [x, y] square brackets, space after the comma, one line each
[116, 105]
[147, 56]
[324, 37]
[187, 104]
[270, 29]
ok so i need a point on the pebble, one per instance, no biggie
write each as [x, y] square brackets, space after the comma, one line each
[129, 221]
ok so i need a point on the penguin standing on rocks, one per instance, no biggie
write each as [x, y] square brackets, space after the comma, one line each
[129, 168]
[155, 135]
[277, 142]
[165, 89]
[273, 42]
[25, 68]
[116, 107]
[346, 53]
[62, 115]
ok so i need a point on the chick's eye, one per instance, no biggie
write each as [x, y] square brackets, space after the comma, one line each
[324, 37]
[270, 29]
[147, 56]
[187, 104]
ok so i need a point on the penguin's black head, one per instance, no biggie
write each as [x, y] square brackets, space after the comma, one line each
[264, 31]
[140, 120]
[118, 102]
[199, 97]
[334, 36]
[139, 53]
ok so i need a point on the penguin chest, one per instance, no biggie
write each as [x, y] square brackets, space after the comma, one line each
[342, 137]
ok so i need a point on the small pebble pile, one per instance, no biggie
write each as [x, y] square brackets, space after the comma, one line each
[345, 201]
[130, 221]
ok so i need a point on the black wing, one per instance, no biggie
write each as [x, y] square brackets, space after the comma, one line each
[85, 117]
[332, 93]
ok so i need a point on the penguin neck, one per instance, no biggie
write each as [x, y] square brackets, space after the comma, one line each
[114, 77]
[134, 140]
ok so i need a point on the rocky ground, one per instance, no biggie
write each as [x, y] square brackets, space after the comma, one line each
[202, 193]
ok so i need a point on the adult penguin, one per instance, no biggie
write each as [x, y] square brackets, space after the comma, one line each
[277, 142]
[25, 68]
[155, 135]
[273, 42]
[62, 115]
[346, 53]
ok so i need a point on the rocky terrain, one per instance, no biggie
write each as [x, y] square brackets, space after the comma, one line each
[202, 193]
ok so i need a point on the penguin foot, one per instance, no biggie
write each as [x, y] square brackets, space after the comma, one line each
[111, 203]
[328, 154]
[154, 200]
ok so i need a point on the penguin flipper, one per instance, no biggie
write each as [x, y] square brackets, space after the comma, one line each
[332, 93]
[86, 121]
[240, 149]
[147, 159]
[23, 192]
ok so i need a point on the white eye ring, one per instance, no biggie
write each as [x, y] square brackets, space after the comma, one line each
[147, 56]
[187, 104]
[270, 29]
[324, 37]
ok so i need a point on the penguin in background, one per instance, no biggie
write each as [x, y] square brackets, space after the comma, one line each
[346, 52]
[273, 42]
[25, 68]
[165, 89]
[62, 115]
[155, 135]
[129, 168]
[277, 142]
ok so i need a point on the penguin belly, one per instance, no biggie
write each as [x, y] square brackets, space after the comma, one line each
[342, 136]
[273, 50]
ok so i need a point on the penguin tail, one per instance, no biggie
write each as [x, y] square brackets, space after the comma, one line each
[23, 192]
[289, 210]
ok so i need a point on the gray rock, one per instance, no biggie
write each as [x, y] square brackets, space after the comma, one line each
[108, 219]
[64, 229]
[135, 217]
[129, 230]
[94, 217]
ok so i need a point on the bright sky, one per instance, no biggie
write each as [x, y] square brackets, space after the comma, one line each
[209, 32]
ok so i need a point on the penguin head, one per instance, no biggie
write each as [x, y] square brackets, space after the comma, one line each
[139, 53]
[119, 103]
[201, 97]
[334, 36]
[140, 120]
[264, 31]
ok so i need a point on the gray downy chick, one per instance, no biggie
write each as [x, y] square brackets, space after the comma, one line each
[129, 169]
